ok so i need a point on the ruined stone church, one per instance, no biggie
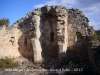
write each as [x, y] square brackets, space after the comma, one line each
[49, 31]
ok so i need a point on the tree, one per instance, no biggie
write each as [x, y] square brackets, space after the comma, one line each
[95, 36]
[4, 21]
[98, 32]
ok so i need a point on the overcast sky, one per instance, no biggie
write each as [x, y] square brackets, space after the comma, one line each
[16, 9]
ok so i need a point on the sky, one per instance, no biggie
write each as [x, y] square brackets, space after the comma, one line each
[16, 9]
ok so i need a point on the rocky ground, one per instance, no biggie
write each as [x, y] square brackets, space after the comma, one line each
[29, 68]
[47, 67]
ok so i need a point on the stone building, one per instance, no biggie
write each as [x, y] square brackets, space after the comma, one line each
[49, 31]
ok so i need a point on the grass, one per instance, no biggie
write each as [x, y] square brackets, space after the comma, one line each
[8, 63]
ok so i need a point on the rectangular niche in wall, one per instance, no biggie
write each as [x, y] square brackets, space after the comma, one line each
[12, 39]
[51, 36]
[78, 37]
[25, 41]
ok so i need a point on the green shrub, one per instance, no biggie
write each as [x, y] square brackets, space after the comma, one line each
[95, 36]
[98, 32]
[8, 63]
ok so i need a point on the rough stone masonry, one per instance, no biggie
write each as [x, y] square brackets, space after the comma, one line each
[49, 31]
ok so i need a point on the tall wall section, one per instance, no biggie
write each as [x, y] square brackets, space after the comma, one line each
[79, 33]
[49, 28]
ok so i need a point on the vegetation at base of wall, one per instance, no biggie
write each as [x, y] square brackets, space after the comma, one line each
[4, 22]
[8, 63]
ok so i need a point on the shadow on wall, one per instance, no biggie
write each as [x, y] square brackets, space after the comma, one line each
[25, 44]
[24, 41]
[79, 49]
[48, 37]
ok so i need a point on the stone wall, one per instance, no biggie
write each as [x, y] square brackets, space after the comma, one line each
[49, 35]
[16, 41]
[50, 31]
[8, 42]
[24, 41]
[78, 27]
